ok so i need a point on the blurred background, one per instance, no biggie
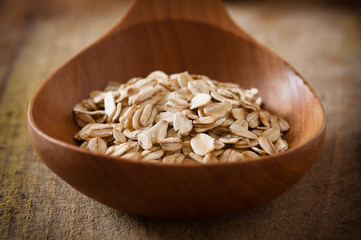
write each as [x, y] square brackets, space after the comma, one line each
[320, 38]
[19, 17]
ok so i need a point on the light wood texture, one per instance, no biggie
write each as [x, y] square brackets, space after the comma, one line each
[324, 204]
[176, 42]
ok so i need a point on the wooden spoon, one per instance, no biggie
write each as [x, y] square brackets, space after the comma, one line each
[175, 36]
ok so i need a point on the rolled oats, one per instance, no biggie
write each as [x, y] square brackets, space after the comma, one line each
[136, 118]
[152, 155]
[182, 124]
[228, 139]
[239, 113]
[210, 158]
[274, 122]
[119, 136]
[196, 157]
[272, 134]
[97, 145]
[109, 105]
[184, 79]
[264, 117]
[217, 110]
[117, 112]
[148, 115]
[199, 100]
[171, 144]
[202, 144]
[190, 114]
[82, 119]
[283, 124]
[204, 121]
[267, 145]
[236, 128]
[174, 158]
[218, 145]
[132, 155]
[176, 105]
[249, 155]
[230, 156]
[181, 118]
[281, 145]
[147, 93]
[99, 130]
[253, 119]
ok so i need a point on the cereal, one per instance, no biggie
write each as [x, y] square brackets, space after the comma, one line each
[178, 119]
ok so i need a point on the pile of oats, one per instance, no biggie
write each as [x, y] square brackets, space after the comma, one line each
[180, 118]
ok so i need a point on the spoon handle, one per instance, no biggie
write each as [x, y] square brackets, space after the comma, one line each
[210, 12]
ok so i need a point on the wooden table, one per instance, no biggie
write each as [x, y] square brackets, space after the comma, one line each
[323, 44]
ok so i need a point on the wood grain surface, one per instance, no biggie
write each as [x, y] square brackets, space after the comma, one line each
[322, 43]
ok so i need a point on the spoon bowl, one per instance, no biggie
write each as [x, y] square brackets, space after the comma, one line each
[175, 36]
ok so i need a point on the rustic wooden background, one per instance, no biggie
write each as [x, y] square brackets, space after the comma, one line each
[324, 45]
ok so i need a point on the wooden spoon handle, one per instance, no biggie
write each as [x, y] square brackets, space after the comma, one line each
[210, 12]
